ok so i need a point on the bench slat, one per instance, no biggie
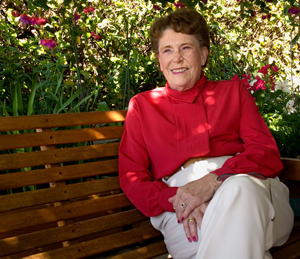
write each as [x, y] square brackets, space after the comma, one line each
[60, 120]
[36, 139]
[59, 234]
[290, 252]
[291, 169]
[60, 193]
[101, 245]
[149, 251]
[56, 174]
[57, 156]
[64, 212]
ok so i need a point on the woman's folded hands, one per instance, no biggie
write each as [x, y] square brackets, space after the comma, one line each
[191, 201]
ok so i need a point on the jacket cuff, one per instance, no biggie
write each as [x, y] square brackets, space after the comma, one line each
[223, 170]
[164, 196]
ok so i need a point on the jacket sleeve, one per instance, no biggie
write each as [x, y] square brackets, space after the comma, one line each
[261, 153]
[150, 196]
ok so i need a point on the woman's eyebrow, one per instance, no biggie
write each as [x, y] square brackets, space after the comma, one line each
[182, 44]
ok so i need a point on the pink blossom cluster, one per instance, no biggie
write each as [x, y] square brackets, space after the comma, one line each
[260, 83]
[97, 37]
[156, 7]
[51, 44]
[266, 16]
[25, 19]
[293, 10]
[76, 17]
[15, 13]
[179, 5]
[88, 9]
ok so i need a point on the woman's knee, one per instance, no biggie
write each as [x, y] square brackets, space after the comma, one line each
[245, 186]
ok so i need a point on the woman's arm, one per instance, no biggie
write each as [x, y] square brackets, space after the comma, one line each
[261, 153]
[150, 196]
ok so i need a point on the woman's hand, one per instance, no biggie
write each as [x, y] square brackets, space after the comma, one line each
[192, 195]
[194, 219]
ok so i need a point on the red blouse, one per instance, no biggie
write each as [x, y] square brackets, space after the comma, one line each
[164, 128]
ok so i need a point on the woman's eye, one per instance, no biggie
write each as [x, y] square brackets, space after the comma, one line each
[166, 50]
[186, 47]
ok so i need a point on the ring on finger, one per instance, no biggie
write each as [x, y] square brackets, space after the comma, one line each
[183, 205]
[174, 208]
[191, 219]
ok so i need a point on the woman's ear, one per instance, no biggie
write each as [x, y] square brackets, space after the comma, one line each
[204, 54]
[158, 62]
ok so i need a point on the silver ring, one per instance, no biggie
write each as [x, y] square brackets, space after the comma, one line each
[183, 205]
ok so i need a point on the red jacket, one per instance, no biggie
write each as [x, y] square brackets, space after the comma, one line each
[164, 128]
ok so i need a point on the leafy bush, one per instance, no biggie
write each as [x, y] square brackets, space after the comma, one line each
[70, 56]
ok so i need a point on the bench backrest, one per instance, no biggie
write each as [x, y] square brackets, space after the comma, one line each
[60, 194]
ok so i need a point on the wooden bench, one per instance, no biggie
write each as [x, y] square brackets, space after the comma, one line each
[60, 195]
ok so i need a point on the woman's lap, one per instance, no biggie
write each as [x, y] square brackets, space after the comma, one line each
[239, 215]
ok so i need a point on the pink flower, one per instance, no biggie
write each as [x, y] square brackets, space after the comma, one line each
[85, 10]
[48, 43]
[25, 19]
[259, 84]
[247, 77]
[264, 70]
[275, 69]
[294, 10]
[91, 9]
[76, 17]
[97, 37]
[236, 78]
[204, 1]
[41, 21]
[179, 5]
[156, 7]
[93, 33]
[15, 13]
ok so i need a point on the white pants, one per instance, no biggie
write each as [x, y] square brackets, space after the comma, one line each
[237, 223]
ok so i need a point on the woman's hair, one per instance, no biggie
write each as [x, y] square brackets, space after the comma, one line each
[183, 20]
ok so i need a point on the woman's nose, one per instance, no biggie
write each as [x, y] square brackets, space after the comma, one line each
[177, 56]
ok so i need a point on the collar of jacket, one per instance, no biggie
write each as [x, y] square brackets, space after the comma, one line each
[188, 96]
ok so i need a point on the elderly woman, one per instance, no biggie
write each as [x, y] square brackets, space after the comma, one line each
[197, 157]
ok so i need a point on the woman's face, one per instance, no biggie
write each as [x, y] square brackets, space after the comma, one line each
[181, 59]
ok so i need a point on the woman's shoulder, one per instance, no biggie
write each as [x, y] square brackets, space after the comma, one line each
[225, 83]
[150, 94]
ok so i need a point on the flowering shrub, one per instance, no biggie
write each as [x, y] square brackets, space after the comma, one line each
[66, 56]
[278, 103]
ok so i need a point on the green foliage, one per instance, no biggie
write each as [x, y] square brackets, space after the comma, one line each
[104, 56]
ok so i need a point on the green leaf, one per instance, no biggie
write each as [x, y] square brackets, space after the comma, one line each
[294, 41]
[69, 101]
[4, 109]
[41, 3]
[102, 106]
[285, 10]
[15, 103]
[81, 102]
[31, 97]
[67, 2]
